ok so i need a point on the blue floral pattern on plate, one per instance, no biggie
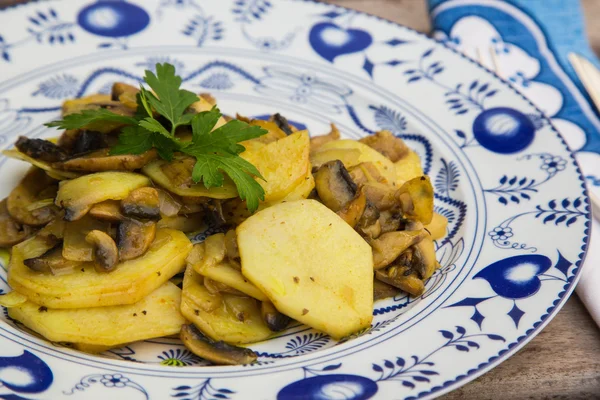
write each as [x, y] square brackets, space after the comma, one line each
[494, 159]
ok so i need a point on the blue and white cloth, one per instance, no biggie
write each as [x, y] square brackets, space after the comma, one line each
[527, 42]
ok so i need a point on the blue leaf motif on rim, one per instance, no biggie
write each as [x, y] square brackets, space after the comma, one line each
[58, 87]
[516, 277]
[217, 81]
[113, 19]
[307, 343]
[39, 376]
[335, 386]
[389, 119]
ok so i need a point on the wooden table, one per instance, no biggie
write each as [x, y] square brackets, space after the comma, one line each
[563, 361]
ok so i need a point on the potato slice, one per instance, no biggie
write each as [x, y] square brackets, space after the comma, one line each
[284, 164]
[311, 264]
[46, 166]
[77, 196]
[382, 163]
[438, 226]
[153, 171]
[233, 319]
[408, 167]
[129, 283]
[156, 315]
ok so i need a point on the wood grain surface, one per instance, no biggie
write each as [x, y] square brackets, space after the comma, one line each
[563, 361]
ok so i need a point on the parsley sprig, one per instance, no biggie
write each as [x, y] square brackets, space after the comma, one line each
[216, 151]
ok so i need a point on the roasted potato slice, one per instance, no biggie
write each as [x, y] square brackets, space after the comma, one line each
[155, 315]
[77, 196]
[101, 160]
[311, 265]
[437, 227]
[46, 166]
[129, 283]
[233, 319]
[27, 202]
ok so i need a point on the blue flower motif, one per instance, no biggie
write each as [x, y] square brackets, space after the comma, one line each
[178, 358]
[515, 277]
[501, 233]
[116, 380]
[553, 164]
[217, 81]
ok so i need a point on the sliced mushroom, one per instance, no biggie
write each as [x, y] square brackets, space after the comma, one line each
[101, 160]
[334, 185]
[354, 209]
[44, 240]
[424, 257]
[369, 224]
[390, 221]
[75, 245]
[282, 123]
[109, 210]
[11, 231]
[142, 203]
[217, 352]
[40, 149]
[214, 213]
[21, 202]
[318, 141]
[416, 198]
[381, 195]
[382, 290]
[106, 254]
[87, 141]
[275, 320]
[387, 247]
[53, 262]
[403, 278]
[231, 247]
[134, 238]
[387, 144]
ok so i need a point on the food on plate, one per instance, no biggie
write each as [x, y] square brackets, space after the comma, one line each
[106, 222]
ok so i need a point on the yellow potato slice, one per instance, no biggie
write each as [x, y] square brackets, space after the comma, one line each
[228, 275]
[129, 283]
[78, 195]
[438, 226]
[382, 163]
[311, 264]
[284, 164]
[156, 315]
[154, 172]
[51, 171]
[408, 168]
[232, 319]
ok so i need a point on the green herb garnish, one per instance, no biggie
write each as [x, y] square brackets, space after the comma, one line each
[216, 152]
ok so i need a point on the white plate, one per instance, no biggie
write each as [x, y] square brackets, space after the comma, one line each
[513, 194]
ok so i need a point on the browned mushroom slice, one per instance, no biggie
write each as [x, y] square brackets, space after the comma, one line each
[75, 245]
[318, 141]
[354, 209]
[382, 290]
[100, 160]
[106, 254]
[275, 320]
[334, 185]
[87, 141]
[109, 210]
[53, 262]
[142, 203]
[381, 195]
[390, 221]
[387, 144]
[217, 352]
[283, 123]
[134, 238]
[32, 202]
[416, 197]
[369, 224]
[11, 231]
[387, 247]
[424, 257]
[402, 278]
[40, 149]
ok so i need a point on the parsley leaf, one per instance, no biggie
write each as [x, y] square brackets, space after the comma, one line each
[217, 152]
[172, 101]
[88, 117]
[138, 140]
